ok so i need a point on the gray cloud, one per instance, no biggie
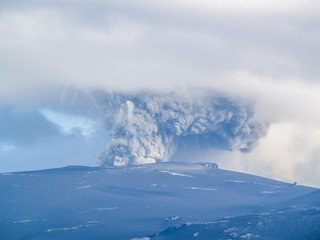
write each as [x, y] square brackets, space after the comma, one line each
[149, 127]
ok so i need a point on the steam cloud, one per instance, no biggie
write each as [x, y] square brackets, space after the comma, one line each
[150, 127]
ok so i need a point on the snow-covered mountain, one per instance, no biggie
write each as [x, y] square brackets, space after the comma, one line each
[157, 201]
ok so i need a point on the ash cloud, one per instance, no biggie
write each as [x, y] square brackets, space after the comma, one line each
[149, 127]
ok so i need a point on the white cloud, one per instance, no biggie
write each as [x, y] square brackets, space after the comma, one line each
[244, 6]
[69, 123]
[7, 147]
[104, 44]
[290, 152]
[276, 99]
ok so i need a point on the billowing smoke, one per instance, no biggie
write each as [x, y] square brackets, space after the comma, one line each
[148, 127]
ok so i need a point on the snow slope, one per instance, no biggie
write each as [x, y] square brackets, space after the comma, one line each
[157, 201]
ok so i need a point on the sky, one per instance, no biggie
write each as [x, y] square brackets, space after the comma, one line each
[59, 57]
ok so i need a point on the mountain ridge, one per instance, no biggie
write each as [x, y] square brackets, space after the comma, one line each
[78, 202]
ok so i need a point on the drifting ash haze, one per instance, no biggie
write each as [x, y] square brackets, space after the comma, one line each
[150, 127]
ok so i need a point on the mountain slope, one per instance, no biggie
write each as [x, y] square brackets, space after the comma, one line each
[139, 201]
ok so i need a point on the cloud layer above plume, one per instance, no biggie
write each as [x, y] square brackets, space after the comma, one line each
[136, 44]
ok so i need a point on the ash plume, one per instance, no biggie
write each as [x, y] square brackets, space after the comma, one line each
[149, 127]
